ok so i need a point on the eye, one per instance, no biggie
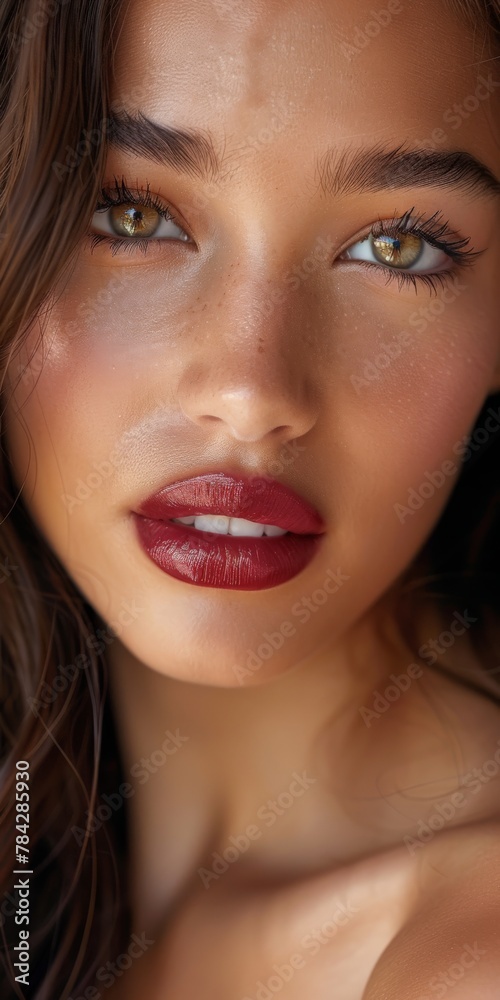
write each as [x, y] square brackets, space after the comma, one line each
[413, 250]
[136, 220]
[403, 250]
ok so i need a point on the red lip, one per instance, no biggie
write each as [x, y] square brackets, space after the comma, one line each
[210, 559]
[260, 499]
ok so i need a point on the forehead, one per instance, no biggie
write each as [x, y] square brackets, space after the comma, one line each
[330, 69]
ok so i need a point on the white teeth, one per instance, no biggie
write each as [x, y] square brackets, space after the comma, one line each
[230, 525]
[239, 526]
[272, 530]
[212, 522]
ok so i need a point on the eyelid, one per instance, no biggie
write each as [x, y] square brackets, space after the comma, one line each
[154, 236]
[434, 230]
[140, 195]
[422, 265]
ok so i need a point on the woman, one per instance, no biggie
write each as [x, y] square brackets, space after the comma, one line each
[249, 279]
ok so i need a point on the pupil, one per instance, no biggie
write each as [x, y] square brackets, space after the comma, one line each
[398, 252]
[132, 221]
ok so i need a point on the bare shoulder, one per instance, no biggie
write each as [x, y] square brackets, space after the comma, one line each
[451, 936]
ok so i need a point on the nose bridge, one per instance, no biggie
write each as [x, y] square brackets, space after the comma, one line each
[250, 372]
[269, 286]
[270, 255]
[257, 310]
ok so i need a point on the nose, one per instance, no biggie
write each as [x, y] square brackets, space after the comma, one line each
[254, 377]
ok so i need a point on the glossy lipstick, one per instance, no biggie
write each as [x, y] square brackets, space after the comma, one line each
[231, 562]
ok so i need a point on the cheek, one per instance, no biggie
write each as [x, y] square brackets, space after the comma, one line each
[80, 389]
[87, 428]
[62, 423]
[406, 398]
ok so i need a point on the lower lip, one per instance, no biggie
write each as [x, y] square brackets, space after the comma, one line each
[230, 562]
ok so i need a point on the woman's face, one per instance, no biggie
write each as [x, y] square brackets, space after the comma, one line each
[262, 333]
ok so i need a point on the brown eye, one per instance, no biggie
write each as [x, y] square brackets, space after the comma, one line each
[403, 246]
[134, 220]
[402, 251]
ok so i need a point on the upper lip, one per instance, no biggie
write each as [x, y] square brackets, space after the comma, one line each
[259, 498]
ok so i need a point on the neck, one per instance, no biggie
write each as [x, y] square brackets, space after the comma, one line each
[250, 738]
[294, 757]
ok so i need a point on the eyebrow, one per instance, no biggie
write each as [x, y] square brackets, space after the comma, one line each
[379, 168]
[186, 151]
[345, 172]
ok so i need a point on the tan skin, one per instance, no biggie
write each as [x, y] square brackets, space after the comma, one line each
[179, 372]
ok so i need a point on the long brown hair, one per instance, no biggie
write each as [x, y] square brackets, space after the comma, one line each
[56, 58]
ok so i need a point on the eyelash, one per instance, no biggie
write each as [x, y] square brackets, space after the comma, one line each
[120, 194]
[434, 230]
